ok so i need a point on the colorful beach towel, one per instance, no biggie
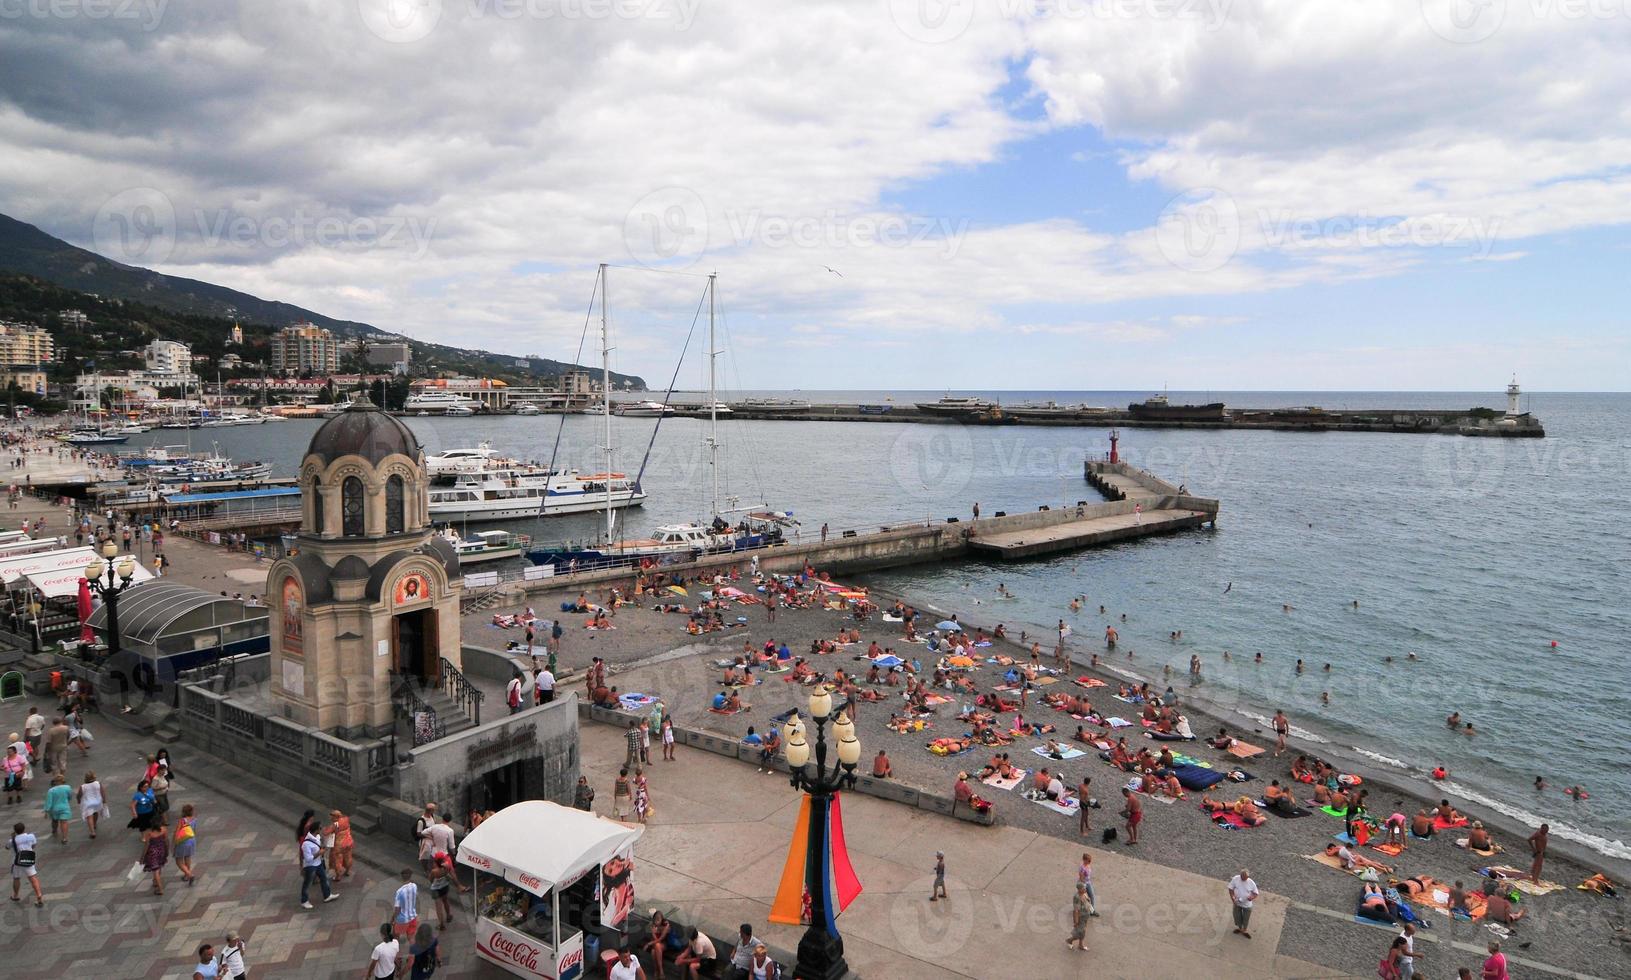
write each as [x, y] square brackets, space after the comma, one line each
[1229, 820]
[1465, 844]
[1520, 880]
[1115, 722]
[1332, 861]
[1067, 753]
[1439, 823]
[1289, 815]
[1091, 682]
[1241, 750]
[633, 701]
[1069, 806]
[1006, 784]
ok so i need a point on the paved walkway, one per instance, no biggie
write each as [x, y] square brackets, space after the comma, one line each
[718, 840]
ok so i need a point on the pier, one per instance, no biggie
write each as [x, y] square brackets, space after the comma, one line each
[1152, 507]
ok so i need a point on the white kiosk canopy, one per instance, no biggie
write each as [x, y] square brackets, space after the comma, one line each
[540, 845]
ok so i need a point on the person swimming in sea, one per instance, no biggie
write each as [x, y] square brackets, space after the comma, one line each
[1258, 658]
[1325, 697]
[1299, 665]
[1412, 656]
[1540, 785]
[1327, 668]
[1468, 730]
[1454, 721]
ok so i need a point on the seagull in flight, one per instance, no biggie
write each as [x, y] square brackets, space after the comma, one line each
[833, 271]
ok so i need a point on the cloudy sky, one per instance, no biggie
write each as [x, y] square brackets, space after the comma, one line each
[1014, 194]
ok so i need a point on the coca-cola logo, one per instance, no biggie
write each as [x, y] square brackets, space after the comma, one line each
[571, 964]
[531, 882]
[516, 951]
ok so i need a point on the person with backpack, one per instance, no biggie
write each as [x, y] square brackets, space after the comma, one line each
[423, 838]
[512, 695]
[22, 847]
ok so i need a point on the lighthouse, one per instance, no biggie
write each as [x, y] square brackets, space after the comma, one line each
[1115, 437]
[1512, 393]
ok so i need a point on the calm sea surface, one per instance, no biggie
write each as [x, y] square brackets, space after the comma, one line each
[1475, 554]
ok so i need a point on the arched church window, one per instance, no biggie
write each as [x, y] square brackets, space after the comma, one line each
[351, 507]
[394, 492]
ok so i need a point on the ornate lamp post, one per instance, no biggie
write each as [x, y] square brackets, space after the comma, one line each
[821, 951]
[109, 581]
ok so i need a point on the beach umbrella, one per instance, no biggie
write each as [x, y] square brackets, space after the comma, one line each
[86, 634]
[948, 624]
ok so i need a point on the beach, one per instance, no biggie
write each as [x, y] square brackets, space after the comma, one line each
[651, 653]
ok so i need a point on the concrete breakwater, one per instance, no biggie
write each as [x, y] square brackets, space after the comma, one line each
[1155, 508]
[1468, 422]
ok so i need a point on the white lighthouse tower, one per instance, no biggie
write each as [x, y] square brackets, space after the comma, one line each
[1512, 393]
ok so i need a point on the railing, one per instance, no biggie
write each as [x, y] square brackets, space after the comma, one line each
[423, 722]
[463, 693]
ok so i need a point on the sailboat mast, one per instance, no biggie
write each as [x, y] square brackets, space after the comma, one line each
[713, 398]
[606, 397]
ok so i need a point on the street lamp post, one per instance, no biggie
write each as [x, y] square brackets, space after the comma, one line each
[109, 580]
[821, 951]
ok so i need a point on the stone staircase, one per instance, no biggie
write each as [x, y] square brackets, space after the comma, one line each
[452, 717]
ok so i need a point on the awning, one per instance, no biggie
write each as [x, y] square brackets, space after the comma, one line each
[57, 573]
[145, 612]
[538, 845]
[204, 498]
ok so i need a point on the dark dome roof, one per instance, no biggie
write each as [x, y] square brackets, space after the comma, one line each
[363, 430]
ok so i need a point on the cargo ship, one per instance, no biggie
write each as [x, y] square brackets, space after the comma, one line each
[1157, 408]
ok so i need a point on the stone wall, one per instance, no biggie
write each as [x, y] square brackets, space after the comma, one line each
[544, 739]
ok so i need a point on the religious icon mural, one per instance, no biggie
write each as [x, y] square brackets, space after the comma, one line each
[412, 587]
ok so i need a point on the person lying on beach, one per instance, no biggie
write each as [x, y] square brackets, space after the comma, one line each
[1418, 886]
[1242, 807]
[906, 725]
[802, 670]
[1351, 861]
[998, 763]
[950, 746]
[1373, 903]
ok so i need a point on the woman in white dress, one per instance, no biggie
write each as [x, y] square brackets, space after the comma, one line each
[91, 803]
[78, 734]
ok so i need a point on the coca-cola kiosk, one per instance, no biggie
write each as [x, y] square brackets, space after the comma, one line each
[545, 873]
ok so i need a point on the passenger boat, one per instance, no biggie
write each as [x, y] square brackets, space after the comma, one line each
[526, 408]
[1042, 411]
[462, 460]
[955, 405]
[773, 405]
[1157, 408]
[486, 546]
[438, 401]
[501, 490]
[94, 437]
[644, 410]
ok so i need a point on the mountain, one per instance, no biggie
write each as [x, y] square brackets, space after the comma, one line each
[27, 250]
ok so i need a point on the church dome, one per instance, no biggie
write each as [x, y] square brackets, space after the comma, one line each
[363, 430]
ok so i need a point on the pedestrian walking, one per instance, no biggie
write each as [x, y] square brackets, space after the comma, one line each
[1084, 877]
[22, 846]
[59, 807]
[1407, 961]
[425, 955]
[1281, 728]
[382, 961]
[156, 853]
[143, 807]
[14, 766]
[405, 907]
[92, 804]
[1079, 909]
[441, 884]
[311, 869]
[512, 695]
[232, 958]
[339, 829]
[622, 797]
[668, 738]
[645, 742]
[583, 798]
[1537, 847]
[186, 842]
[1084, 818]
[642, 796]
[1243, 892]
[208, 966]
[545, 682]
[938, 890]
[33, 729]
[422, 835]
